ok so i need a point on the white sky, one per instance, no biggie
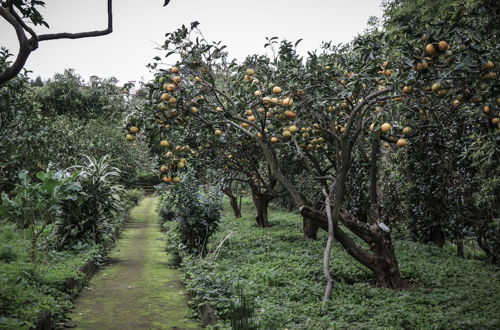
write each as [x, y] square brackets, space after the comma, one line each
[242, 25]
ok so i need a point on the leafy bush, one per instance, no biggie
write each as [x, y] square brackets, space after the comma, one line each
[67, 94]
[133, 196]
[91, 217]
[36, 205]
[197, 214]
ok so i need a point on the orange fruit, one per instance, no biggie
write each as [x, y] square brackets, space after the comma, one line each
[289, 114]
[406, 130]
[401, 143]
[288, 101]
[443, 46]
[429, 49]
[385, 127]
[250, 72]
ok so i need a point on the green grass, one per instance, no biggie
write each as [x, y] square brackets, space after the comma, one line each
[29, 290]
[282, 274]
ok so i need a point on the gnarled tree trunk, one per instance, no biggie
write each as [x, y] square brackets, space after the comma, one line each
[310, 226]
[261, 202]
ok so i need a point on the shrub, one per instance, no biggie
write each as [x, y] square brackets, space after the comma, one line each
[91, 217]
[197, 214]
[133, 196]
[36, 205]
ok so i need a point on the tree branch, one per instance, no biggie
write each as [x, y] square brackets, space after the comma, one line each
[26, 46]
[66, 35]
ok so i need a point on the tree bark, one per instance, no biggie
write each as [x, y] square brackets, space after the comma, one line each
[233, 200]
[328, 251]
[261, 202]
[310, 227]
[460, 248]
[381, 259]
[234, 205]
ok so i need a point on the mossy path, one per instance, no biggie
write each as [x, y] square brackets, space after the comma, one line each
[137, 290]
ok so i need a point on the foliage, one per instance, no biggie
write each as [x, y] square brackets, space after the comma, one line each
[16, 105]
[30, 123]
[133, 196]
[484, 153]
[241, 313]
[67, 94]
[439, 169]
[196, 215]
[278, 272]
[29, 290]
[28, 9]
[90, 217]
[36, 205]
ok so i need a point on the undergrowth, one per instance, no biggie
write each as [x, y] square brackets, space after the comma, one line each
[280, 273]
[29, 290]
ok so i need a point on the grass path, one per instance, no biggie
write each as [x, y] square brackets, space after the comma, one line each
[137, 290]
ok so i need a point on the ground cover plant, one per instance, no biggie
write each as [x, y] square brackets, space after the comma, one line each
[277, 270]
[54, 234]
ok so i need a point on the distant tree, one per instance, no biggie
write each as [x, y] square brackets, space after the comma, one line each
[38, 82]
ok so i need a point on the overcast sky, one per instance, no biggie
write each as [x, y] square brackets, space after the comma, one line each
[140, 25]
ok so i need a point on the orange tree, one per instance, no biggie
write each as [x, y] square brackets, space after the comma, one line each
[249, 104]
[446, 194]
[329, 112]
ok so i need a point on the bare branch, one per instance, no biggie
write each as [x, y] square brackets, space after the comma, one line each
[66, 35]
[26, 46]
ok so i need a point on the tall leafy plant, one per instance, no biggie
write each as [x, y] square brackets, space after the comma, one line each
[90, 217]
[197, 215]
[37, 204]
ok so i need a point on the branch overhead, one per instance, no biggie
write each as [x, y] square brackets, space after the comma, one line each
[27, 46]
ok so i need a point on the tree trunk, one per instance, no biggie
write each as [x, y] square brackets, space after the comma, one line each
[382, 259]
[460, 248]
[328, 251]
[234, 204]
[386, 267]
[261, 202]
[436, 236]
[310, 226]
[233, 200]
